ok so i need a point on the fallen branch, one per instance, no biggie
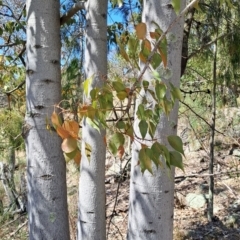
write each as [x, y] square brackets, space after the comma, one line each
[205, 175]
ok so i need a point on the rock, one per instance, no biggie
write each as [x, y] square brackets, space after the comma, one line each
[236, 205]
[232, 220]
[236, 152]
[194, 145]
[217, 209]
[196, 201]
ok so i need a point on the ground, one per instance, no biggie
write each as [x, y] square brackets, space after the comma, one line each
[189, 222]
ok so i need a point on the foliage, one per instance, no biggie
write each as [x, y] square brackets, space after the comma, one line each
[101, 104]
[11, 128]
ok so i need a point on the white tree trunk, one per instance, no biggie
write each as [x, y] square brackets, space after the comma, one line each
[152, 196]
[91, 215]
[46, 167]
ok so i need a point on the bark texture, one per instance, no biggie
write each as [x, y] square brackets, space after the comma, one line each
[46, 167]
[151, 196]
[91, 215]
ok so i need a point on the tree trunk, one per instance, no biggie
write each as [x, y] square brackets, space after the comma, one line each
[151, 196]
[91, 213]
[46, 167]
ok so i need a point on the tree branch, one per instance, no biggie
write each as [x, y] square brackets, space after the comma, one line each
[200, 117]
[76, 7]
[10, 44]
[189, 6]
[14, 17]
[16, 88]
[206, 175]
[207, 45]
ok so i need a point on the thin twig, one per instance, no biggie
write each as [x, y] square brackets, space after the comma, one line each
[18, 229]
[116, 198]
[189, 6]
[208, 44]
[230, 190]
[16, 88]
[200, 117]
[118, 229]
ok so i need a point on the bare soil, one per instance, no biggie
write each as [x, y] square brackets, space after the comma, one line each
[189, 223]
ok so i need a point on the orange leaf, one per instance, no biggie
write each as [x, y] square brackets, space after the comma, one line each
[105, 140]
[127, 90]
[55, 119]
[154, 35]
[72, 128]
[147, 44]
[142, 57]
[77, 158]
[120, 151]
[83, 110]
[69, 144]
[141, 30]
[164, 57]
[62, 132]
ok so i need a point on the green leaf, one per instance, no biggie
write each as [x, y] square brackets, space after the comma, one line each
[162, 49]
[112, 147]
[145, 161]
[120, 3]
[117, 139]
[145, 84]
[196, 6]
[1, 31]
[71, 155]
[156, 75]
[145, 50]
[91, 112]
[154, 156]
[176, 5]
[129, 131]
[176, 160]
[120, 125]
[230, 5]
[176, 93]
[152, 128]
[86, 85]
[159, 149]
[156, 60]
[122, 50]
[152, 94]
[141, 112]
[143, 127]
[167, 106]
[160, 90]
[176, 143]
[122, 95]
[93, 124]
[158, 30]
[93, 93]
[118, 86]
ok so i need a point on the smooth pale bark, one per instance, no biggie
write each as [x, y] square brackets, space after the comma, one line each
[46, 167]
[152, 196]
[91, 215]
